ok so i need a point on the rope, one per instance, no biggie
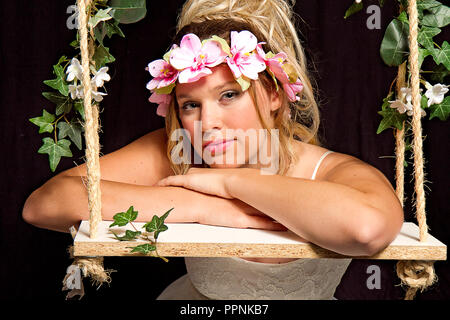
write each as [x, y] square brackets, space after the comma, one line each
[400, 142]
[91, 127]
[416, 274]
[91, 267]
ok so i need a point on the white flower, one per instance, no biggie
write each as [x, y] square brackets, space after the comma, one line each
[399, 105]
[435, 94]
[98, 95]
[76, 92]
[74, 70]
[100, 76]
[405, 107]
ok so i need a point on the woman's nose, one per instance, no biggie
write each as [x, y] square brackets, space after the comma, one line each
[211, 117]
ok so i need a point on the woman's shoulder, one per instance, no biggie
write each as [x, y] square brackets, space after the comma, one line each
[311, 158]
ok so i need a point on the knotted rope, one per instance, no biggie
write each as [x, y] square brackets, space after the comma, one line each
[414, 274]
[91, 126]
[90, 266]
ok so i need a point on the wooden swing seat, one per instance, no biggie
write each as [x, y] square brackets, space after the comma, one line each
[197, 240]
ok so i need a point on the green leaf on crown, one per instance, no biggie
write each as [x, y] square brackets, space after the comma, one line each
[44, 122]
[243, 82]
[165, 90]
[55, 151]
[223, 43]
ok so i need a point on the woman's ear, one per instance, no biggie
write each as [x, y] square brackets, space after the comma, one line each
[275, 100]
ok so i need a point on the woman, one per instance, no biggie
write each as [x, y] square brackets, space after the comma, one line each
[238, 66]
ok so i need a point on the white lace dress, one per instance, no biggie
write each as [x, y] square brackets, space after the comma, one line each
[238, 279]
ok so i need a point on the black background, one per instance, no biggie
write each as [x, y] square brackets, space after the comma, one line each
[352, 79]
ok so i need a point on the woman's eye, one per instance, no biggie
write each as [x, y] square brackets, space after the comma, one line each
[189, 106]
[230, 95]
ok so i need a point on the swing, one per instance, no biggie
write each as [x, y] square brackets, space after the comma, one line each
[414, 248]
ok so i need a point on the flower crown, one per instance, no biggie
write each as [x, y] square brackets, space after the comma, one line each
[193, 59]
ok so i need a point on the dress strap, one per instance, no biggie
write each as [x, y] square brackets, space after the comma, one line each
[319, 162]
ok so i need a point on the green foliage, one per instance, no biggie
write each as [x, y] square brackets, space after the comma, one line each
[354, 8]
[123, 218]
[55, 150]
[433, 16]
[155, 226]
[128, 11]
[394, 46]
[441, 110]
[66, 122]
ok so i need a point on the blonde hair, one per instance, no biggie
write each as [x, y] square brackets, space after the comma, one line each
[272, 21]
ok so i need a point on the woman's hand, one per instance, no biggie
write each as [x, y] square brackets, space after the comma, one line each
[207, 180]
[223, 210]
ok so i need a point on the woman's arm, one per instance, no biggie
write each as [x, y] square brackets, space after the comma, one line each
[128, 178]
[353, 210]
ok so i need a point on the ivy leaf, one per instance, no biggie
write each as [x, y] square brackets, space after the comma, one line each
[423, 53]
[44, 122]
[143, 248]
[79, 107]
[102, 56]
[439, 74]
[73, 130]
[439, 16]
[391, 119]
[129, 235]
[128, 11]
[112, 27]
[394, 46]
[101, 15]
[55, 151]
[63, 104]
[354, 8]
[441, 110]
[59, 83]
[442, 55]
[123, 218]
[100, 32]
[425, 36]
[157, 224]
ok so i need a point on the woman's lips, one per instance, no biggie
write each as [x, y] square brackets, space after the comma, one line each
[215, 147]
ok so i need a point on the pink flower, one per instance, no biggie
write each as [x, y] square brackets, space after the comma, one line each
[195, 58]
[163, 74]
[244, 61]
[292, 89]
[283, 72]
[163, 101]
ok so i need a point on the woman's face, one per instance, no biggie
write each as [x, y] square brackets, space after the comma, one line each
[221, 107]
